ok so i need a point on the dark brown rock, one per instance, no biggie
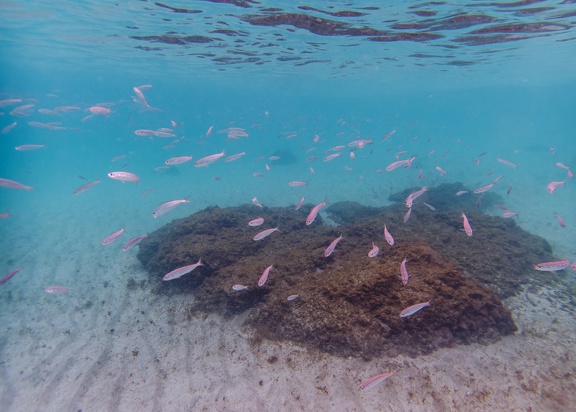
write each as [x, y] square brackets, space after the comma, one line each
[349, 304]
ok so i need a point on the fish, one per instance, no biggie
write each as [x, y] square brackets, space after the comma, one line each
[508, 214]
[234, 157]
[560, 220]
[509, 189]
[387, 135]
[98, 110]
[314, 212]
[257, 174]
[264, 276]
[11, 184]
[56, 289]
[467, 227]
[7, 129]
[26, 147]
[374, 251]
[124, 176]
[331, 157]
[297, 183]
[178, 160]
[209, 131]
[257, 203]
[552, 185]
[238, 288]
[429, 206]
[9, 275]
[396, 165]
[144, 132]
[4, 215]
[176, 273]
[552, 266]
[375, 381]
[388, 236]
[332, 246]
[168, 206]
[404, 272]
[265, 233]
[85, 187]
[407, 215]
[442, 171]
[163, 134]
[207, 160]
[413, 309]
[573, 266]
[299, 203]
[112, 237]
[291, 297]
[133, 241]
[256, 222]
[507, 162]
[141, 98]
[484, 188]
[461, 192]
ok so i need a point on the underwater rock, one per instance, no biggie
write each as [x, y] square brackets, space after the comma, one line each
[349, 304]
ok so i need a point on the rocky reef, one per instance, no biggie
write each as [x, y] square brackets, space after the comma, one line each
[349, 304]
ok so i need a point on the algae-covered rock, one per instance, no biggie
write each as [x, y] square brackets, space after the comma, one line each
[349, 304]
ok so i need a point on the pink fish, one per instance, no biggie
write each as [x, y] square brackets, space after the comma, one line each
[332, 246]
[234, 157]
[209, 131]
[144, 132]
[552, 266]
[331, 157]
[507, 162]
[112, 237]
[49, 112]
[11, 184]
[9, 275]
[560, 220]
[484, 188]
[238, 288]
[314, 212]
[297, 183]
[133, 241]
[467, 227]
[413, 309]
[264, 276]
[256, 222]
[163, 134]
[26, 147]
[265, 233]
[299, 203]
[178, 160]
[168, 206]
[141, 98]
[387, 135]
[442, 171]
[374, 251]
[85, 187]
[573, 266]
[388, 236]
[7, 129]
[257, 203]
[98, 110]
[396, 165]
[552, 185]
[508, 214]
[404, 272]
[407, 215]
[124, 176]
[205, 161]
[176, 273]
[376, 379]
[4, 215]
[56, 289]
[570, 174]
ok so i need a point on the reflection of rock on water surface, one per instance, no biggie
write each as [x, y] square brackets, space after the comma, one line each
[349, 304]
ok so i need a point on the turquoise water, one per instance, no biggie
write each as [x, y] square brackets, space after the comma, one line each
[453, 80]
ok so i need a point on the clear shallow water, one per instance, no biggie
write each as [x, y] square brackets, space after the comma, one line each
[466, 79]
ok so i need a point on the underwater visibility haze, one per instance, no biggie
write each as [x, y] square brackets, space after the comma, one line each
[247, 205]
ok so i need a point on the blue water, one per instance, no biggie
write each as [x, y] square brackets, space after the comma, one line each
[504, 87]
